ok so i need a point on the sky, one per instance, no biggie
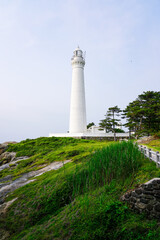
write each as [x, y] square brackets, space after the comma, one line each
[37, 39]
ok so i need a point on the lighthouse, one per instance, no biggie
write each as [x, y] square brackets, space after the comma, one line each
[77, 125]
[77, 105]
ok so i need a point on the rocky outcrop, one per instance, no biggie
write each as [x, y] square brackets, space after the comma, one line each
[6, 157]
[3, 147]
[10, 186]
[145, 199]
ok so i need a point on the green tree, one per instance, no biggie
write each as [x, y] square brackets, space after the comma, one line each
[143, 114]
[90, 125]
[111, 121]
[134, 117]
[106, 124]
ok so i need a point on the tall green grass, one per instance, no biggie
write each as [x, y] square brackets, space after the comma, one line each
[81, 200]
[117, 161]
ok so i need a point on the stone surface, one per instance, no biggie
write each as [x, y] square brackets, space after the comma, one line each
[12, 162]
[145, 199]
[4, 206]
[7, 156]
[149, 207]
[25, 178]
[138, 191]
[157, 207]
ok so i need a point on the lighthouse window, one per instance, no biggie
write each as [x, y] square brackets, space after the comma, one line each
[79, 53]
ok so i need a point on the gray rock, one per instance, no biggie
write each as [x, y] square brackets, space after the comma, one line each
[147, 192]
[133, 200]
[134, 194]
[141, 205]
[157, 208]
[138, 191]
[25, 178]
[7, 178]
[147, 196]
[7, 156]
[149, 207]
[143, 200]
[1, 201]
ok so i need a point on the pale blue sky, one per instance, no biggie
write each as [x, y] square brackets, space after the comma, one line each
[37, 38]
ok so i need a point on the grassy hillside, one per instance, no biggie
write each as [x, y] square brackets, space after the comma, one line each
[43, 151]
[154, 144]
[80, 200]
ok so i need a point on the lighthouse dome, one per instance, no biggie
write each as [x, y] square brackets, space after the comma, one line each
[78, 52]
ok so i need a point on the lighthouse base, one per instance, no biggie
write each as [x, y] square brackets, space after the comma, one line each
[86, 135]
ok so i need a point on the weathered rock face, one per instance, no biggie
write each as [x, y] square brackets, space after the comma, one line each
[24, 179]
[145, 199]
[2, 148]
[7, 157]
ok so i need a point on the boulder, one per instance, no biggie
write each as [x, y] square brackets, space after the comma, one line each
[7, 157]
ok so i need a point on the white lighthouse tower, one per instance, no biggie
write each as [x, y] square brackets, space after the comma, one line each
[78, 104]
[77, 126]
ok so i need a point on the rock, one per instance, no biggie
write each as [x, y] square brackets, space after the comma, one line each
[149, 207]
[9, 142]
[132, 199]
[146, 199]
[13, 162]
[143, 200]
[3, 147]
[147, 196]
[5, 205]
[147, 192]
[157, 208]
[25, 178]
[152, 181]
[7, 178]
[148, 187]
[126, 196]
[7, 157]
[2, 151]
[141, 205]
[138, 191]
[134, 194]
[4, 234]
[1, 201]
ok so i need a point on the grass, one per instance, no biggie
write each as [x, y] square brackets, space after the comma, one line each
[43, 151]
[81, 200]
[154, 144]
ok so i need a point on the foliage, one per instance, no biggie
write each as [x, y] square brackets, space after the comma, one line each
[143, 114]
[110, 122]
[118, 130]
[90, 125]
